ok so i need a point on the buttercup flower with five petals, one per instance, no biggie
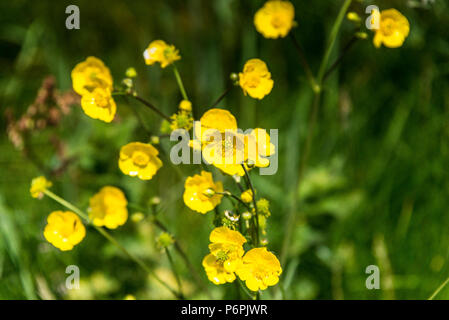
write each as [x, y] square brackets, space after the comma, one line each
[160, 51]
[64, 230]
[259, 269]
[393, 28]
[91, 74]
[275, 19]
[255, 79]
[226, 253]
[201, 193]
[38, 186]
[99, 104]
[139, 159]
[108, 208]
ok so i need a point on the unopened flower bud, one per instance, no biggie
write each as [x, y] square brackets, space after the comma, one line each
[131, 72]
[155, 201]
[209, 192]
[246, 215]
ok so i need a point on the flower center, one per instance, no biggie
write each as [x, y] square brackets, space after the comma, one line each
[277, 21]
[253, 80]
[101, 101]
[140, 158]
[388, 26]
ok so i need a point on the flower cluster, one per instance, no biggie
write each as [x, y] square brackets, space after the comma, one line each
[93, 81]
[64, 230]
[259, 268]
[223, 146]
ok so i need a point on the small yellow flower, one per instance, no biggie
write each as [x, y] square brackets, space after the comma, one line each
[226, 255]
[260, 269]
[129, 297]
[200, 192]
[159, 51]
[185, 105]
[181, 120]
[258, 147]
[164, 240]
[64, 230]
[38, 186]
[108, 208]
[256, 79]
[99, 104]
[139, 159]
[91, 74]
[247, 196]
[275, 19]
[393, 28]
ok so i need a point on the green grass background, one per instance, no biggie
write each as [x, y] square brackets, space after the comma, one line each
[376, 189]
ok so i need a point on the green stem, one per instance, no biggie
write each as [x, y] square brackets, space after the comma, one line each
[228, 194]
[345, 50]
[439, 289]
[245, 289]
[178, 248]
[290, 221]
[228, 89]
[111, 239]
[332, 39]
[180, 84]
[305, 64]
[175, 273]
[149, 105]
[257, 242]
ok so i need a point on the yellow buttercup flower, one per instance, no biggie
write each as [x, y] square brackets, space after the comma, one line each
[38, 186]
[275, 19]
[256, 79]
[226, 253]
[393, 28]
[99, 104]
[201, 192]
[139, 159]
[159, 51]
[260, 269]
[108, 208]
[64, 230]
[247, 196]
[91, 74]
[227, 153]
[258, 147]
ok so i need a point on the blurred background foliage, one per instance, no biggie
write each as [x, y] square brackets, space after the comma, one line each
[375, 190]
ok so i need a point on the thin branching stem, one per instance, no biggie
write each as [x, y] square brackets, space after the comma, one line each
[111, 239]
[180, 83]
[257, 240]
